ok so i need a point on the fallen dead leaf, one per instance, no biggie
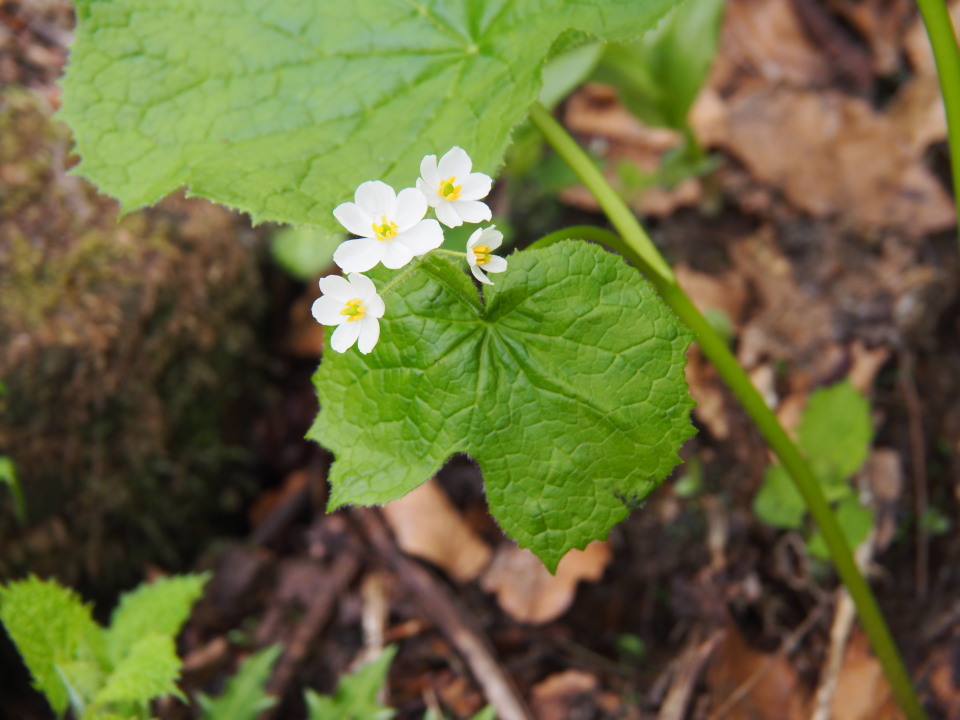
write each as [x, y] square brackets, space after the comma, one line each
[704, 384]
[865, 364]
[595, 111]
[556, 697]
[776, 695]
[428, 526]
[834, 156]
[764, 38]
[883, 472]
[942, 673]
[529, 593]
[917, 43]
[862, 690]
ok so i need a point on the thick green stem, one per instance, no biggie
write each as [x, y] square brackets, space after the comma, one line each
[936, 18]
[648, 259]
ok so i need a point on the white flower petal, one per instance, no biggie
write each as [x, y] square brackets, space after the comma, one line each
[374, 305]
[447, 215]
[396, 254]
[337, 288]
[429, 192]
[326, 310]
[358, 255]
[345, 336]
[422, 237]
[478, 274]
[369, 334]
[491, 237]
[471, 211]
[354, 219]
[361, 285]
[496, 264]
[377, 199]
[411, 207]
[428, 171]
[456, 163]
[475, 236]
[475, 186]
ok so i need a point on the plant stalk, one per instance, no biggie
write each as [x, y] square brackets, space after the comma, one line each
[652, 264]
[943, 39]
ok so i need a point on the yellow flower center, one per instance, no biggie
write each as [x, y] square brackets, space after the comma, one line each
[449, 191]
[482, 254]
[385, 230]
[354, 310]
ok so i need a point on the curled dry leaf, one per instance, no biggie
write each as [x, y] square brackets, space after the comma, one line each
[862, 690]
[529, 593]
[556, 697]
[428, 526]
[777, 695]
[834, 155]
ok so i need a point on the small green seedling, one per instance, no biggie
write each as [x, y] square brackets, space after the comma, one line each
[835, 433]
[659, 76]
[100, 673]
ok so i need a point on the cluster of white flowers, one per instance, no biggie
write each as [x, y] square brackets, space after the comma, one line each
[391, 229]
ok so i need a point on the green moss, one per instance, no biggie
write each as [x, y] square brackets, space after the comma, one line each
[127, 343]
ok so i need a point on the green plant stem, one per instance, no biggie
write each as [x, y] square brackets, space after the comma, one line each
[649, 261]
[936, 19]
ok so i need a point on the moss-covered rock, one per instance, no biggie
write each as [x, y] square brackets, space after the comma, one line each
[128, 349]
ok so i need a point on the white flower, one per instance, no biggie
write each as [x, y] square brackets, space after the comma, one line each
[351, 303]
[479, 248]
[452, 190]
[391, 228]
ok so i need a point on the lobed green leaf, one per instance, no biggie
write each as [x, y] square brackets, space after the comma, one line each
[566, 386]
[282, 107]
[160, 607]
[55, 634]
[244, 698]
[148, 670]
[356, 695]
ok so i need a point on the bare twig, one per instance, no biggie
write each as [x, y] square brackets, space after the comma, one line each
[685, 675]
[843, 618]
[918, 469]
[452, 618]
[341, 573]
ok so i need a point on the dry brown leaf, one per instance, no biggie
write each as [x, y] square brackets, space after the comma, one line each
[553, 698]
[727, 292]
[704, 384]
[595, 111]
[942, 672]
[917, 43]
[529, 593]
[865, 363]
[862, 690]
[884, 476]
[764, 38]
[428, 526]
[880, 25]
[833, 155]
[776, 695]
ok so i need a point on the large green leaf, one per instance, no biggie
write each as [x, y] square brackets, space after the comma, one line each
[282, 107]
[566, 387]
